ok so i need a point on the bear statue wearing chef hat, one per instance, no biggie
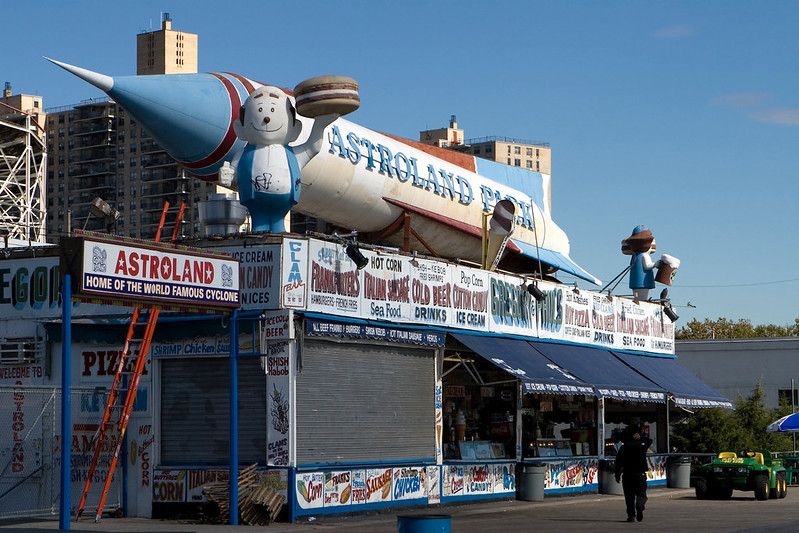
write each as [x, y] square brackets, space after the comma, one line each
[640, 245]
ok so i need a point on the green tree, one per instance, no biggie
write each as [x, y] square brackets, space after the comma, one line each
[717, 430]
[724, 328]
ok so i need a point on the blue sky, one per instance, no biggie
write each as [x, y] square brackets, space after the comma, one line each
[683, 116]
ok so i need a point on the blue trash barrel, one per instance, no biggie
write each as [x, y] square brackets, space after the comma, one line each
[434, 523]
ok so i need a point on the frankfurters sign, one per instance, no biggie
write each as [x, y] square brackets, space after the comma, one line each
[151, 274]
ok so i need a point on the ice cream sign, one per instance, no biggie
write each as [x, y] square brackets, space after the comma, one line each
[154, 274]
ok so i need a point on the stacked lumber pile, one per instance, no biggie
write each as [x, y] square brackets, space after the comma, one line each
[258, 505]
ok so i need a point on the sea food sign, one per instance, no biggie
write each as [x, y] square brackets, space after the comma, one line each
[176, 277]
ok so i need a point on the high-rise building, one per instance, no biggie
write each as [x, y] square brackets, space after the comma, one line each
[95, 149]
[22, 168]
[530, 155]
[443, 137]
[166, 51]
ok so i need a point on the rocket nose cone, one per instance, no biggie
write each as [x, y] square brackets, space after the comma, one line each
[101, 81]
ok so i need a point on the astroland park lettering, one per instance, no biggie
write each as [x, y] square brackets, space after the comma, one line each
[406, 169]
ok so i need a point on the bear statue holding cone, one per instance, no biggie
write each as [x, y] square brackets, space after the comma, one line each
[640, 245]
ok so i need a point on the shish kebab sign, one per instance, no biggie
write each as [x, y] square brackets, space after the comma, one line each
[148, 273]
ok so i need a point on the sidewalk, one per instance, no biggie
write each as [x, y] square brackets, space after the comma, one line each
[501, 516]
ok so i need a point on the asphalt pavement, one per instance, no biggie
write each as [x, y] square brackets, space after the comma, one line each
[667, 510]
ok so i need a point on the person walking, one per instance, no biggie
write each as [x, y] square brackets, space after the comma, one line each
[631, 468]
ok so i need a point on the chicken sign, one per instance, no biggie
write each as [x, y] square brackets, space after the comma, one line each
[173, 276]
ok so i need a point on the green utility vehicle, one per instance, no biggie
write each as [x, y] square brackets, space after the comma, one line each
[749, 470]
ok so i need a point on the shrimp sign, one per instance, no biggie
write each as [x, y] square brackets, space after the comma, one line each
[179, 277]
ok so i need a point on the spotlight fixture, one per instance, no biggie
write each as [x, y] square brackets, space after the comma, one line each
[668, 310]
[354, 253]
[575, 290]
[535, 292]
[664, 294]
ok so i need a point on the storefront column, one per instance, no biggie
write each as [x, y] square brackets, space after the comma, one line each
[66, 404]
[601, 428]
[519, 401]
[233, 439]
[439, 406]
[668, 424]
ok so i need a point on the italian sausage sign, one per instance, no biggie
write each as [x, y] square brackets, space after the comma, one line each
[173, 276]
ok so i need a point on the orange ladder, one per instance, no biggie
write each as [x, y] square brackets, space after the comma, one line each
[117, 425]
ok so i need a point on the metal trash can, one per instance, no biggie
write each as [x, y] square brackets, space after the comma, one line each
[607, 478]
[433, 523]
[531, 488]
[678, 475]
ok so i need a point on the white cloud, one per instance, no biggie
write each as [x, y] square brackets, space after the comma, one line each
[677, 31]
[742, 99]
[784, 116]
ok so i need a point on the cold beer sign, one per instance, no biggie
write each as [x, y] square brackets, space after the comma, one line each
[179, 277]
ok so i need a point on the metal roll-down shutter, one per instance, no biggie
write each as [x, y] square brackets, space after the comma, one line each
[194, 411]
[359, 402]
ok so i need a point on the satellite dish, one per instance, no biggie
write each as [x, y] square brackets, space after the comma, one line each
[503, 220]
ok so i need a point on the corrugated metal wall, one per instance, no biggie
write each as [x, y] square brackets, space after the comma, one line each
[194, 411]
[362, 403]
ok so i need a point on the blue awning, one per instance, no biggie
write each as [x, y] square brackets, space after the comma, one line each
[557, 260]
[687, 389]
[611, 377]
[518, 358]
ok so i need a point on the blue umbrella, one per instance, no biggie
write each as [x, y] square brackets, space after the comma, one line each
[786, 424]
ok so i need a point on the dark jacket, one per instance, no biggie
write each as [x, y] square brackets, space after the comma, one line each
[631, 458]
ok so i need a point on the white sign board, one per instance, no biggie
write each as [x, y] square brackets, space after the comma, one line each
[176, 277]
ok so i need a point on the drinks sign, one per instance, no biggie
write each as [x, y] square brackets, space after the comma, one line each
[397, 288]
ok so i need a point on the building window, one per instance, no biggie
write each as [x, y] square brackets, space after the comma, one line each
[529, 152]
[508, 148]
[517, 149]
[477, 150]
[509, 160]
[537, 152]
[517, 162]
[538, 165]
[529, 164]
[489, 149]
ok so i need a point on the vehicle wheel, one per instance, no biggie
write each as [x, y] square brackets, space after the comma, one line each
[724, 493]
[761, 487]
[782, 485]
[702, 489]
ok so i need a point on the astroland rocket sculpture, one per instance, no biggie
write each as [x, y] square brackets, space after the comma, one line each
[351, 176]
